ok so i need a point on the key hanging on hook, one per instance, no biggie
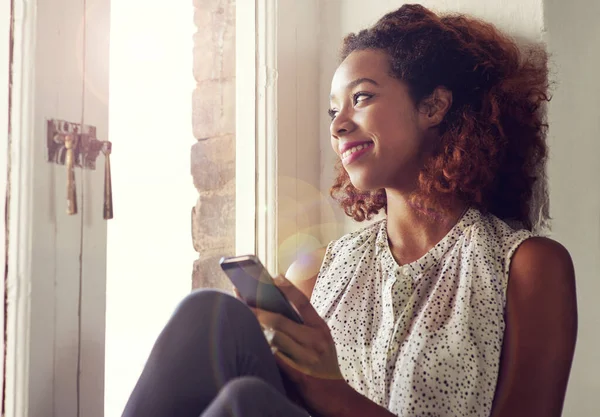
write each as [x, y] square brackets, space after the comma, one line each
[108, 202]
[70, 144]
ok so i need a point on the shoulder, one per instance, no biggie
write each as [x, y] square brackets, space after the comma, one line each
[541, 266]
[499, 242]
[541, 283]
[498, 235]
[357, 239]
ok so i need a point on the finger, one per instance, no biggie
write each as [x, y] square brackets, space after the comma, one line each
[293, 350]
[299, 300]
[301, 334]
[287, 365]
[296, 372]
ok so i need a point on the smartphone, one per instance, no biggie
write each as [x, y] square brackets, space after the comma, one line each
[256, 287]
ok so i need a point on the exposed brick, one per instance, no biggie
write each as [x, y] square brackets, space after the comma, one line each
[213, 163]
[211, 4]
[228, 70]
[214, 43]
[213, 111]
[213, 157]
[217, 214]
[208, 274]
[213, 223]
[207, 53]
[203, 17]
[195, 229]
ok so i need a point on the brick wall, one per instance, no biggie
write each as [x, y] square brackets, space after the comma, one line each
[213, 156]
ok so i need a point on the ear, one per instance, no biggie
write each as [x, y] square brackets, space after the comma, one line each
[435, 107]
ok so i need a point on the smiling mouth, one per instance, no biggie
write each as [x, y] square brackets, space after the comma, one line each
[356, 148]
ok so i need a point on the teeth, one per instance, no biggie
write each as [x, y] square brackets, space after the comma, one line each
[355, 149]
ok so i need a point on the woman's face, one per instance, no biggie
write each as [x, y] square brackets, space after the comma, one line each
[377, 131]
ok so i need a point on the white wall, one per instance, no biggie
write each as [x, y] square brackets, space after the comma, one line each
[150, 252]
[573, 36]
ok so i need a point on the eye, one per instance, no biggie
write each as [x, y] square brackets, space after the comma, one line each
[356, 98]
[332, 113]
[360, 97]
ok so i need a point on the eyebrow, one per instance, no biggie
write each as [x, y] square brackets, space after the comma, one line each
[356, 82]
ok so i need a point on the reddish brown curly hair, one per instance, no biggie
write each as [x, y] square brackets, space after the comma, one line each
[493, 139]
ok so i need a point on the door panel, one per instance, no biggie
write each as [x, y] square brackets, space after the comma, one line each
[65, 279]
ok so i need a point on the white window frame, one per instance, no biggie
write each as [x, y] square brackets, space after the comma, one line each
[256, 125]
[245, 238]
[5, 21]
[20, 211]
[270, 141]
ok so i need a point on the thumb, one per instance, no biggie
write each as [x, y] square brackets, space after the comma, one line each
[236, 293]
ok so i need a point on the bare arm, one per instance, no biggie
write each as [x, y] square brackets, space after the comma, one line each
[304, 271]
[541, 329]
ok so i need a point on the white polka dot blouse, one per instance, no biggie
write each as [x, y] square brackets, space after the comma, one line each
[421, 339]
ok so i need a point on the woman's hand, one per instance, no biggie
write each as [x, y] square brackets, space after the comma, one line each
[306, 352]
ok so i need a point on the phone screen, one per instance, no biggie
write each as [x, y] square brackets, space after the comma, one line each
[256, 286]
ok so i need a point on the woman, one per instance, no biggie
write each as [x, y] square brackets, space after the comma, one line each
[440, 309]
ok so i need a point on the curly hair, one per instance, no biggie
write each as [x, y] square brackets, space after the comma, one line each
[492, 148]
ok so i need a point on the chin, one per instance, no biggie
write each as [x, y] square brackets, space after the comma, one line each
[364, 184]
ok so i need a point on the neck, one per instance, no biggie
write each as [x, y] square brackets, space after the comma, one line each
[411, 233]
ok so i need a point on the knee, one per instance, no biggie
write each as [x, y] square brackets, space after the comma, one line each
[245, 391]
[209, 303]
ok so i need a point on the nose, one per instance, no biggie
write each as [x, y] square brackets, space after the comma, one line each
[341, 125]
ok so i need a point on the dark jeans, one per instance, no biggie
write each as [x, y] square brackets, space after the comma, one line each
[211, 360]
